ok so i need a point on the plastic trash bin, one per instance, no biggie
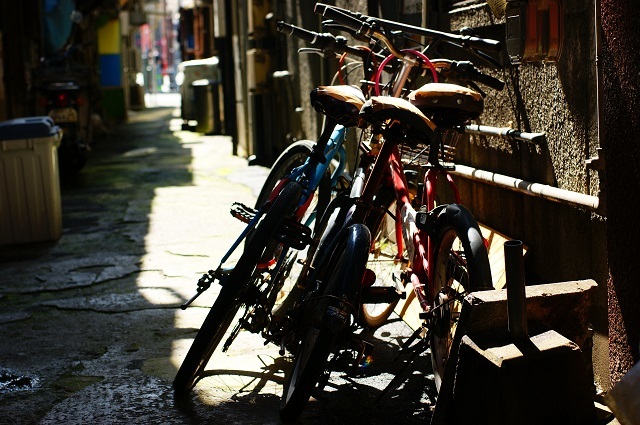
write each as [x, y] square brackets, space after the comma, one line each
[30, 204]
[207, 106]
[190, 71]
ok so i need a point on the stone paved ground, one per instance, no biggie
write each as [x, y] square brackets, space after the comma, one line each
[90, 331]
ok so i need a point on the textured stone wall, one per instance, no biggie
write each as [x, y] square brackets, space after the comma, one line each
[559, 99]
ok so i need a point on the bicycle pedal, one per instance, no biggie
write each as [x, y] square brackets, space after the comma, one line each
[381, 295]
[294, 234]
[426, 315]
[242, 212]
[399, 282]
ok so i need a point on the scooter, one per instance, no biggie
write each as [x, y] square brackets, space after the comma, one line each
[63, 94]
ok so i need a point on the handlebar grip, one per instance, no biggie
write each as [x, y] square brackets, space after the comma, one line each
[467, 71]
[326, 42]
[310, 36]
[485, 44]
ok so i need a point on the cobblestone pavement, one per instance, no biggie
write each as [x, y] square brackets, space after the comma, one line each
[90, 326]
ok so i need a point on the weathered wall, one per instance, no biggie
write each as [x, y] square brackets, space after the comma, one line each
[619, 136]
[565, 243]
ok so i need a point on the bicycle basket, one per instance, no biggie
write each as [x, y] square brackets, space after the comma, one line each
[418, 155]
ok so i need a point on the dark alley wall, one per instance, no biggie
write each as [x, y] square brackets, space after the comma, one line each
[620, 133]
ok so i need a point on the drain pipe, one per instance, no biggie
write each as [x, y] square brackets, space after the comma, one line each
[516, 296]
[551, 193]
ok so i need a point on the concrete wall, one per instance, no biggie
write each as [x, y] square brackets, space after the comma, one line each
[560, 99]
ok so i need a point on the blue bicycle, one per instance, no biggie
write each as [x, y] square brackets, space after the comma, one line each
[296, 192]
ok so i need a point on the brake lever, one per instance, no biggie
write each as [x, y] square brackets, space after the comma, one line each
[486, 57]
[474, 86]
[353, 33]
[307, 50]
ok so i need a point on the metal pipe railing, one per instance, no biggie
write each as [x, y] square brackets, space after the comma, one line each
[551, 193]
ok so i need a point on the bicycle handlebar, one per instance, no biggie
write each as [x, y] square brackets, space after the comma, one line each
[324, 41]
[467, 71]
[370, 26]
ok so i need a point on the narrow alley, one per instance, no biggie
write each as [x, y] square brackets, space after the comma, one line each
[91, 326]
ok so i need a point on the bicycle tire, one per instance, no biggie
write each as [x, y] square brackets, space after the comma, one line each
[383, 257]
[461, 265]
[346, 264]
[230, 298]
[293, 156]
[337, 211]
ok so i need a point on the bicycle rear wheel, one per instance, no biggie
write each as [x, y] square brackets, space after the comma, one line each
[461, 266]
[232, 294]
[293, 156]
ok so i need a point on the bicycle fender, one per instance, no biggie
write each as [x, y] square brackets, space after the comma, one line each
[357, 239]
[335, 216]
[354, 249]
[467, 227]
[456, 214]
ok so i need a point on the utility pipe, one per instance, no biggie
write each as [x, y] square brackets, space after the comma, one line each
[528, 188]
[516, 295]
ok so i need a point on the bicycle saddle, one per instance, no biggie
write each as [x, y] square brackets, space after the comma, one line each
[338, 102]
[381, 109]
[448, 104]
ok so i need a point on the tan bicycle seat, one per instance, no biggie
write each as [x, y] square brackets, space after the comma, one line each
[339, 102]
[450, 102]
[381, 109]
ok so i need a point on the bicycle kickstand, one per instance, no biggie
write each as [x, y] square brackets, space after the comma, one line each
[205, 282]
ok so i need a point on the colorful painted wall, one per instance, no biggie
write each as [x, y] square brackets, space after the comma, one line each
[111, 81]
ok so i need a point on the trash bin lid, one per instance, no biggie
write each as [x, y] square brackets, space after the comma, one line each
[201, 82]
[197, 69]
[212, 61]
[28, 128]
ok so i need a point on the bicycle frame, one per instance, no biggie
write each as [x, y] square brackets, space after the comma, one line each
[406, 230]
[309, 175]
[312, 171]
[388, 163]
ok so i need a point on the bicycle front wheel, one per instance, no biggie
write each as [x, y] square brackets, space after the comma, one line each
[292, 157]
[461, 266]
[207, 339]
[343, 268]
[384, 260]
[232, 294]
